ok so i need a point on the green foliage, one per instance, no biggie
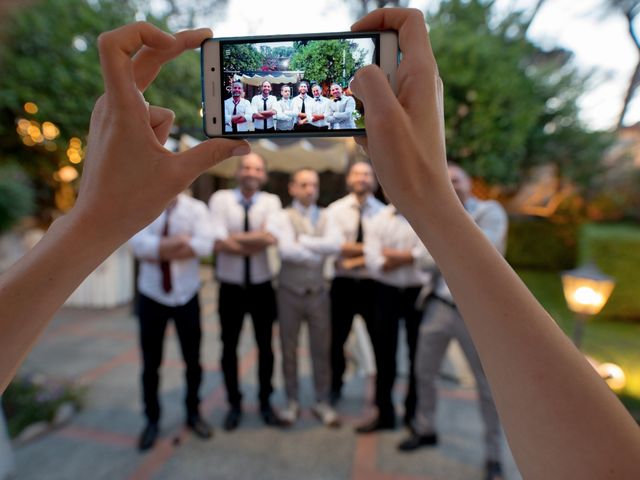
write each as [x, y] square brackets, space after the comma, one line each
[241, 58]
[31, 400]
[615, 248]
[508, 104]
[17, 198]
[322, 60]
[537, 243]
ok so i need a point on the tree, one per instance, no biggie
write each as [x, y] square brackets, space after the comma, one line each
[328, 60]
[242, 57]
[55, 65]
[630, 9]
[508, 104]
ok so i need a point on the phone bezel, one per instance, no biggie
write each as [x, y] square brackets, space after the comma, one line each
[386, 55]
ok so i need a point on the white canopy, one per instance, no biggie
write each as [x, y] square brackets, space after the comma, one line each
[257, 79]
[288, 155]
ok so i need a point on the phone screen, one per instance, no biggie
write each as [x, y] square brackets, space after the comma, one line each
[294, 84]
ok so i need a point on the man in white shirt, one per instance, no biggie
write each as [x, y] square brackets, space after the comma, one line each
[264, 108]
[319, 110]
[238, 113]
[341, 108]
[286, 116]
[352, 287]
[302, 106]
[397, 257]
[442, 322]
[240, 217]
[168, 282]
[306, 236]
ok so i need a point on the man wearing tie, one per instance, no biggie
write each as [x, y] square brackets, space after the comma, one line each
[341, 108]
[352, 289]
[302, 107]
[286, 117]
[264, 108]
[168, 282]
[398, 259]
[240, 216]
[237, 111]
[306, 236]
[319, 110]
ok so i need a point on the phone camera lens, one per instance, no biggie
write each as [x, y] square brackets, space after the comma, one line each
[213, 69]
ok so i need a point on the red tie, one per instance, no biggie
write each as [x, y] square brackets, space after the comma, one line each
[165, 266]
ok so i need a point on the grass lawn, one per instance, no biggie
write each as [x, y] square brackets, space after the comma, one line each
[604, 340]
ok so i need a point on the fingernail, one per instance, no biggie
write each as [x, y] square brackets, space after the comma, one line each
[243, 149]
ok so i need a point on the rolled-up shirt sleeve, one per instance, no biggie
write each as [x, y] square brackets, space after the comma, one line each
[203, 236]
[146, 243]
[373, 257]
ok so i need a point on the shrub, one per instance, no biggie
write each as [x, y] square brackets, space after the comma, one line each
[615, 249]
[17, 199]
[538, 243]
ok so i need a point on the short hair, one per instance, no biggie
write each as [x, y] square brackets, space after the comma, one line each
[265, 81]
[255, 154]
[285, 86]
[336, 84]
[305, 82]
[238, 82]
[293, 174]
[358, 162]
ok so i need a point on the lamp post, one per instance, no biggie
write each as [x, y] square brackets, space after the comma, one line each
[586, 291]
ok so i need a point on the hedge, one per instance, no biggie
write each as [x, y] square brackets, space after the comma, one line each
[615, 249]
[539, 244]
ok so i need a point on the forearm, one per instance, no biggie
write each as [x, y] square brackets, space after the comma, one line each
[509, 327]
[38, 284]
[255, 239]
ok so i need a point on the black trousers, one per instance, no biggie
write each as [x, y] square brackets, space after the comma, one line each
[391, 305]
[235, 301]
[153, 318]
[349, 296]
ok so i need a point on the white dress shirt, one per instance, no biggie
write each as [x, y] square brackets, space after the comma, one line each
[344, 212]
[243, 108]
[257, 104]
[390, 229]
[188, 217]
[296, 105]
[227, 212]
[286, 116]
[320, 106]
[341, 113]
[310, 250]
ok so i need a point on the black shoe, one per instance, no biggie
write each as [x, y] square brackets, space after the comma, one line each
[148, 437]
[232, 420]
[416, 441]
[269, 417]
[377, 424]
[493, 470]
[199, 427]
[334, 397]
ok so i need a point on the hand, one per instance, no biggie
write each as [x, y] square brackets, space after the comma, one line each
[411, 126]
[351, 249]
[129, 177]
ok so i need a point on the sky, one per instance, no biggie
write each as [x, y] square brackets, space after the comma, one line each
[601, 45]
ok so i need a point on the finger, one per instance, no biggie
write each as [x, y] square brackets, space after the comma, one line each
[412, 31]
[148, 61]
[116, 48]
[371, 86]
[209, 153]
[161, 121]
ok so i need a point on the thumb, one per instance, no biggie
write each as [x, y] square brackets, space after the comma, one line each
[371, 86]
[209, 153]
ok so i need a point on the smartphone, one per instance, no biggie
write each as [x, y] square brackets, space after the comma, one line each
[290, 85]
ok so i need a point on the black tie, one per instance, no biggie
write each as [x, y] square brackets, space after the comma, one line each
[234, 126]
[265, 107]
[360, 234]
[165, 266]
[247, 258]
[302, 110]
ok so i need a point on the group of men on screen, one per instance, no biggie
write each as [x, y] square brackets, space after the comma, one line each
[380, 270]
[304, 112]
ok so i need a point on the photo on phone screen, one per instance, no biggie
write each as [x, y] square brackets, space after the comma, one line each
[288, 85]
